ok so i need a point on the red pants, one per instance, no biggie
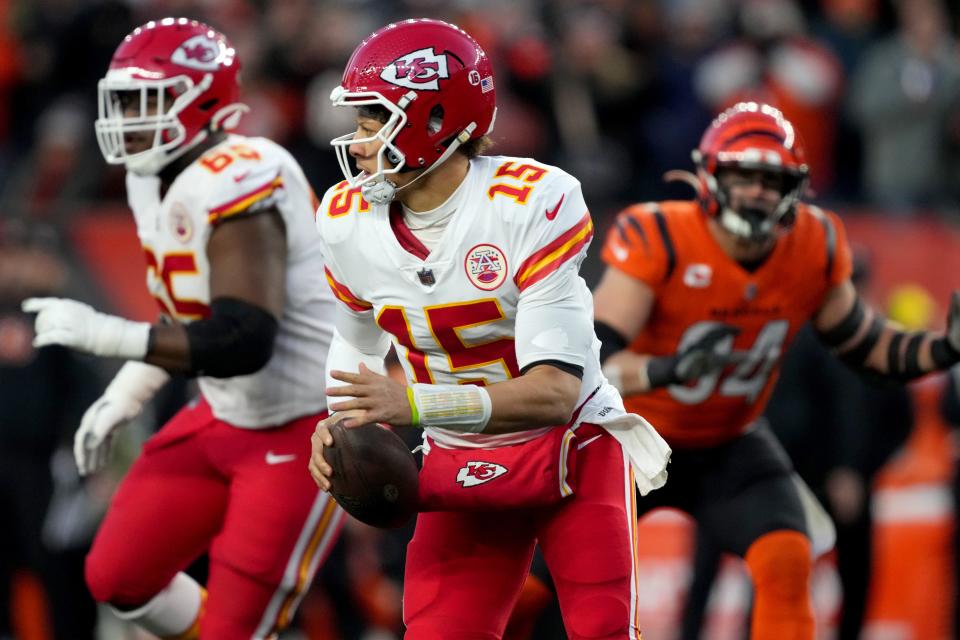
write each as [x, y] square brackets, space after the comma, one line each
[244, 495]
[464, 570]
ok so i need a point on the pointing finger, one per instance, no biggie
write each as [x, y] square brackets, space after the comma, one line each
[34, 305]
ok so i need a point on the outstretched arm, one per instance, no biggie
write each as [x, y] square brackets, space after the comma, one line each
[863, 338]
[247, 258]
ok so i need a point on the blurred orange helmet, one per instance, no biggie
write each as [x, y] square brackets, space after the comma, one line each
[753, 136]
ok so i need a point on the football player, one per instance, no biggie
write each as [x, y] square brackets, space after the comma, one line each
[226, 226]
[469, 265]
[699, 303]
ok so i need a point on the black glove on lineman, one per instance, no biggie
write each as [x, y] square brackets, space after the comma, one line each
[946, 350]
[953, 322]
[693, 361]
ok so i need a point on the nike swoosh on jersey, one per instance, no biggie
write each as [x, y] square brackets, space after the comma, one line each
[241, 177]
[587, 441]
[552, 213]
[277, 458]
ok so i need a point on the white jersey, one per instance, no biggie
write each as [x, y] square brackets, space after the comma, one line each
[512, 248]
[240, 175]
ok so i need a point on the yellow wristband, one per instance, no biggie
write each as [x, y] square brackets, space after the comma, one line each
[414, 414]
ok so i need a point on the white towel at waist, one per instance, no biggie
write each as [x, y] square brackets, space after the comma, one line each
[649, 454]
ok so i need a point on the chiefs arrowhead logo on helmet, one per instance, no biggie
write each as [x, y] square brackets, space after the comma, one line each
[478, 472]
[199, 52]
[453, 99]
[184, 66]
[422, 70]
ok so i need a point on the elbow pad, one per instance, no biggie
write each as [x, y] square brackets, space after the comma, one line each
[237, 339]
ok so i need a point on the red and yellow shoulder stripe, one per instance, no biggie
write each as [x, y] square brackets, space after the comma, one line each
[244, 202]
[551, 257]
[344, 295]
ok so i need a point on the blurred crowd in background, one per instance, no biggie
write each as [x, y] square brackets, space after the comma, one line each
[615, 91]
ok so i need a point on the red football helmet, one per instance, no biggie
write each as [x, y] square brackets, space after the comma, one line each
[174, 80]
[751, 135]
[437, 85]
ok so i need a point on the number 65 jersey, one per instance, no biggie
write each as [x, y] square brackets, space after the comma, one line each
[238, 177]
[475, 309]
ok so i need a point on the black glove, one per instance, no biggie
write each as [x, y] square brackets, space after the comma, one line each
[693, 361]
[953, 322]
[946, 350]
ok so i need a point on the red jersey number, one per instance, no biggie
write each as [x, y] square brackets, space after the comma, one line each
[446, 322]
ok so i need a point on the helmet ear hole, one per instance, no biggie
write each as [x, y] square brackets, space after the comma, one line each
[435, 121]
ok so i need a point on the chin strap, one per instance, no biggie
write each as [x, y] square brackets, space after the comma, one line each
[384, 191]
[379, 191]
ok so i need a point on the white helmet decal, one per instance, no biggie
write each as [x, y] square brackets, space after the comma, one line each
[198, 52]
[421, 70]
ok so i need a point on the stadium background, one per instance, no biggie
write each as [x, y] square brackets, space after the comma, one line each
[617, 92]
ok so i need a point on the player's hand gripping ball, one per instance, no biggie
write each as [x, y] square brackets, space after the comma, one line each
[375, 477]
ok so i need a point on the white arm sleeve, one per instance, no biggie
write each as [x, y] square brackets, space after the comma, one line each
[356, 339]
[555, 320]
[137, 382]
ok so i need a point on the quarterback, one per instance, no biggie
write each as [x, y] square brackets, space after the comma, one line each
[469, 265]
[226, 227]
[698, 305]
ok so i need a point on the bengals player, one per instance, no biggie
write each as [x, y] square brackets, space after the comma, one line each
[699, 303]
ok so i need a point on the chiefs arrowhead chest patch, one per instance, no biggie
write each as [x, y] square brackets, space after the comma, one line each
[486, 267]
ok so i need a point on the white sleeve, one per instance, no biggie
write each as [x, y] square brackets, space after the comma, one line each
[555, 310]
[356, 339]
[137, 382]
[555, 320]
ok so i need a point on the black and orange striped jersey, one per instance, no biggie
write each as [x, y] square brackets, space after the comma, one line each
[668, 246]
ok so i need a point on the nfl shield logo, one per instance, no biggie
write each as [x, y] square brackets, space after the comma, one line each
[426, 277]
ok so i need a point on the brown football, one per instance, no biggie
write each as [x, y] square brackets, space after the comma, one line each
[375, 477]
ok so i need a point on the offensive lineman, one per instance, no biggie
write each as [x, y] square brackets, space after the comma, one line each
[226, 225]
